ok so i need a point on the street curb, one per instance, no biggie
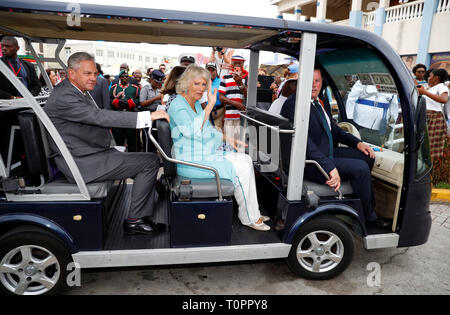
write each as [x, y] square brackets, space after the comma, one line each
[440, 195]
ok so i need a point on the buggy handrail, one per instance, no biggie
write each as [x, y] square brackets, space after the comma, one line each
[172, 160]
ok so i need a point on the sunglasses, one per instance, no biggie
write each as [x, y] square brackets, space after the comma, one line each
[420, 71]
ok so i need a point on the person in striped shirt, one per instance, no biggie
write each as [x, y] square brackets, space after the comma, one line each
[232, 92]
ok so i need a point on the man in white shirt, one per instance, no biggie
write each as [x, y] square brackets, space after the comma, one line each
[85, 129]
[288, 89]
[374, 112]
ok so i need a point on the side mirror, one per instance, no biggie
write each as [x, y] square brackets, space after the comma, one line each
[420, 121]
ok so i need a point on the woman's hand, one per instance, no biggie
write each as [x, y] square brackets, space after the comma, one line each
[212, 98]
[237, 144]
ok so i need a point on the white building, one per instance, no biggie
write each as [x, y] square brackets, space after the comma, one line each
[419, 30]
[111, 55]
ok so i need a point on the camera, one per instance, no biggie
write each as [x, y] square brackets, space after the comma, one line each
[218, 49]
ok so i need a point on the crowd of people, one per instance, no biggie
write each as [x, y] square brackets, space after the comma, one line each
[202, 105]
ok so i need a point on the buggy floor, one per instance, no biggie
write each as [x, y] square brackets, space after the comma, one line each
[116, 239]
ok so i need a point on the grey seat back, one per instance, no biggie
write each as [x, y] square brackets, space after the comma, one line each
[187, 188]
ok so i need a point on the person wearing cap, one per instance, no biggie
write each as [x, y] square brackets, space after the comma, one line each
[232, 91]
[150, 98]
[124, 67]
[290, 73]
[218, 112]
[187, 59]
[125, 97]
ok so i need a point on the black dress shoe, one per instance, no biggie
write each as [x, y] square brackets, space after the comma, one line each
[157, 227]
[381, 223]
[141, 227]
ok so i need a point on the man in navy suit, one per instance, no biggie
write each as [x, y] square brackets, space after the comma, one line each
[352, 163]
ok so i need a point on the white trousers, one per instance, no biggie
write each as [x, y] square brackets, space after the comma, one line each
[245, 188]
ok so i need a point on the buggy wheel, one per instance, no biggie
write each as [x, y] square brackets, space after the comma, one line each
[32, 262]
[322, 249]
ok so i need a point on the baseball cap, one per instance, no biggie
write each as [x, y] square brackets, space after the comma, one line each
[187, 57]
[211, 65]
[158, 76]
[237, 58]
[293, 68]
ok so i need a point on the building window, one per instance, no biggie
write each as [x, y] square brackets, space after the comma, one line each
[99, 53]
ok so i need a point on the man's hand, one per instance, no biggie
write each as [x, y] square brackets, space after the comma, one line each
[367, 150]
[160, 114]
[335, 180]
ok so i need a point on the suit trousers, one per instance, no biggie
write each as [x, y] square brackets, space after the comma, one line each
[356, 167]
[143, 168]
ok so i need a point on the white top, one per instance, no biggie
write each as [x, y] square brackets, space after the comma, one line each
[219, 62]
[277, 105]
[370, 116]
[438, 89]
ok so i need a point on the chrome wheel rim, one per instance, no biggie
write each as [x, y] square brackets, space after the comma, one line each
[320, 251]
[29, 270]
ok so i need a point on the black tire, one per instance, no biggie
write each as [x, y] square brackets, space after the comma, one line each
[321, 261]
[28, 248]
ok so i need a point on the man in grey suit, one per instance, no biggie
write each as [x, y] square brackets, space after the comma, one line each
[84, 127]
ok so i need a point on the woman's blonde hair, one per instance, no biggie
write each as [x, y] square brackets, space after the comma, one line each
[192, 72]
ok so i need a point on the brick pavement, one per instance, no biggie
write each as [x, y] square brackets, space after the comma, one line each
[440, 214]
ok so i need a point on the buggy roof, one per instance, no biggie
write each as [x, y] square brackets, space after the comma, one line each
[47, 20]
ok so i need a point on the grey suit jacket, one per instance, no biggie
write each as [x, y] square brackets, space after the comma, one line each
[85, 130]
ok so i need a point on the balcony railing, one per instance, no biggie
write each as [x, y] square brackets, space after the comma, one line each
[368, 19]
[405, 12]
[443, 6]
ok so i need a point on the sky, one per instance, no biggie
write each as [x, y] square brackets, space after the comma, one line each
[255, 8]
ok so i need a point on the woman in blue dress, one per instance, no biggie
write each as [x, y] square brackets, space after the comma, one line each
[196, 140]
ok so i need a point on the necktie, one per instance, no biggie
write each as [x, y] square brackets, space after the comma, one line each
[325, 126]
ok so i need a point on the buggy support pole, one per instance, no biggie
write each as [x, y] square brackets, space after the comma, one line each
[301, 118]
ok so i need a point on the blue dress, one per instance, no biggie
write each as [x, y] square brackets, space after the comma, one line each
[195, 144]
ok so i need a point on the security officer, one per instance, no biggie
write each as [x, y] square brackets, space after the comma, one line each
[374, 113]
[125, 97]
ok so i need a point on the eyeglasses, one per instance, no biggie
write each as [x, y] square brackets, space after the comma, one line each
[420, 71]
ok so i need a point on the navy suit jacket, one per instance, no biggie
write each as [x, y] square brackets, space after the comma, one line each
[7, 89]
[317, 148]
